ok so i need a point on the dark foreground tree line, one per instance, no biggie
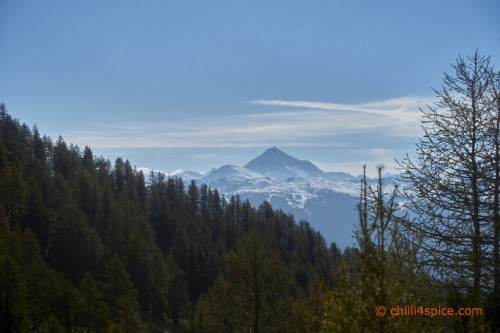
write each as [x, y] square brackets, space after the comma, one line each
[91, 246]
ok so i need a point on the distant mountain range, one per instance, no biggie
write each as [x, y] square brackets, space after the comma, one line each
[326, 199]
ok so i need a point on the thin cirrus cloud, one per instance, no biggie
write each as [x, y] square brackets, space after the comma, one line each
[301, 123]
[398, 116]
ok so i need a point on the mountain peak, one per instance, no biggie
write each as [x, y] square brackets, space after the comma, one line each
[275, 151]
[277, 164]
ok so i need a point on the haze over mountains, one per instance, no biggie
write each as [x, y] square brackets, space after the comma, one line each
[326, 199]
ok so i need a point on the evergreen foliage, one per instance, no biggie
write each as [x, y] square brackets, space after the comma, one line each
[87, 245]
[92, 246]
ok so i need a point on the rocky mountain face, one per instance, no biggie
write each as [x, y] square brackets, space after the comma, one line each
[327, 200]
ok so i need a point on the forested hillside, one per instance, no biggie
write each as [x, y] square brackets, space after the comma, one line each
[87, 245]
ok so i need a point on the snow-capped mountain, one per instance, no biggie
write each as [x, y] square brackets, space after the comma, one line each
[326, 199]
[276, 164]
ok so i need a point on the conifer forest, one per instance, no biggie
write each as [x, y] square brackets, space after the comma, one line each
[93, 245]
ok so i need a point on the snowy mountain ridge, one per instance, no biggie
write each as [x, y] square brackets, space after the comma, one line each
[325, 199]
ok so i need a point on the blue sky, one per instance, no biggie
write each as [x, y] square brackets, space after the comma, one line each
[197, 84]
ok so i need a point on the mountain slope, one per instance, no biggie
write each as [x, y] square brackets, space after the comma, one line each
[326, 200]
[232, 172]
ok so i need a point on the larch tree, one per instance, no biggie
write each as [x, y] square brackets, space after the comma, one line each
[452, 183]
[389, 273]
[253, 295]
[493, 182]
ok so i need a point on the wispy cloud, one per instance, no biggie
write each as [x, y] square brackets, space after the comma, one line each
[299, 123]
[399, 116]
